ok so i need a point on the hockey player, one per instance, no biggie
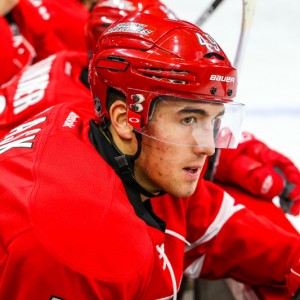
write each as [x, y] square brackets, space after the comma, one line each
[116, 208]
[25, 96]
[253, 166]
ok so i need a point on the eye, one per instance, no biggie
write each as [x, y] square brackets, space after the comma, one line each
[188, 120]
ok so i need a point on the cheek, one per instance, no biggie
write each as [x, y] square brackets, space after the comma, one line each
[155, 156]
[163, 159]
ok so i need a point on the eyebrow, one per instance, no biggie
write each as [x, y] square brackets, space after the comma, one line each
[199, 111]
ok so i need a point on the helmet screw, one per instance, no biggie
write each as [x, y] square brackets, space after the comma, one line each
[97, 105]
[135, 98]
[213, 90]
[136, 107]
[229, 92]
[138, 98]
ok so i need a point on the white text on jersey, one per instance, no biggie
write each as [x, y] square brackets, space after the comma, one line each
[22, 136]
[32, 85]
[71, 120]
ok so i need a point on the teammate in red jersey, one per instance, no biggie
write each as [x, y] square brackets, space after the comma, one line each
[59, 78]
[116, 208]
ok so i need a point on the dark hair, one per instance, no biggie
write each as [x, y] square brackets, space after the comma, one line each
[91, 3]
[112, 96]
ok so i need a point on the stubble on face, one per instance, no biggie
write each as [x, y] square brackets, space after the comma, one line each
[162, 167]
[174, 146]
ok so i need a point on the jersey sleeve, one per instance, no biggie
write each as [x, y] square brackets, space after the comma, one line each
[229, 240]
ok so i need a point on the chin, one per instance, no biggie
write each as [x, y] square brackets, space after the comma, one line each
[181, 193]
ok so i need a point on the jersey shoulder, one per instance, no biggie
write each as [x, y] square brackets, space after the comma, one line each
[75, 202]
[29, 136]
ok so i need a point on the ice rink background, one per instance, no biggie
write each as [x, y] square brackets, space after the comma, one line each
[269, 75]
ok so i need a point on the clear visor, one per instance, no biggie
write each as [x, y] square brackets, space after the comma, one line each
[190, 122]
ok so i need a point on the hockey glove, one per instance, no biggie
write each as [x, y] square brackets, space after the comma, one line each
[261, 171]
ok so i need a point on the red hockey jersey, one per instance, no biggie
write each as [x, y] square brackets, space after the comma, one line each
[53, 80]
[52, 25]
[16, 52]
[70, 229]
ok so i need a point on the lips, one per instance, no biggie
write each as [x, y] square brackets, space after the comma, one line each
[192, 170]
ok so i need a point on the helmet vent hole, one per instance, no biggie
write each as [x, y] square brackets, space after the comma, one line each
[152, 76]
[173, 76]
[177, 81]
[213, 54]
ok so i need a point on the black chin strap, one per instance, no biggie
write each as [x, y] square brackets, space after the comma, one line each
[124, 164]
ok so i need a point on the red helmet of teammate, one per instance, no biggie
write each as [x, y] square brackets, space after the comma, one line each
[146, 57]
[107, 12]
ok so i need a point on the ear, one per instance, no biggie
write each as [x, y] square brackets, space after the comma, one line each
[118, 113]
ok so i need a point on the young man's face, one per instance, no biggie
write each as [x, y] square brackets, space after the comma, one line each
[175, 144]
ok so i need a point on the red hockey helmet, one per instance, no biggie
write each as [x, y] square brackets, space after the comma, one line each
[107, 12]
[147, 57]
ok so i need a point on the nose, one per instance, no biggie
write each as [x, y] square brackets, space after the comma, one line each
[203, 150]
